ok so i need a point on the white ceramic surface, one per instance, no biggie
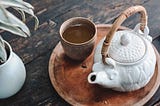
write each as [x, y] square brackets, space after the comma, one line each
[12, 75]
[130, 64]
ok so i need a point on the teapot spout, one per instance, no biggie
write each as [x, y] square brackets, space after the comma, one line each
[92, 78]
[96, 77]
[110, 80]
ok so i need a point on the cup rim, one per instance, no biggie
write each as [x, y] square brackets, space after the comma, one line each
[75, 18]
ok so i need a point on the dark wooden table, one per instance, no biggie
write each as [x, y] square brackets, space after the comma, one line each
[35, 51]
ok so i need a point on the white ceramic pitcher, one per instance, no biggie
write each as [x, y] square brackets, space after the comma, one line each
[12, 74]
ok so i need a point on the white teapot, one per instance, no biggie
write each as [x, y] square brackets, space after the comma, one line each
[128, 59]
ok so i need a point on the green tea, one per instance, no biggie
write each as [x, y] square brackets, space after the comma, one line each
[78, 34]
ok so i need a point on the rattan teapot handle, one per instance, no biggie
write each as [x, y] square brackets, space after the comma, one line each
[123, 16]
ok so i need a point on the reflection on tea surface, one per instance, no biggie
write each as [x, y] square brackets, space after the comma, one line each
[78, 33]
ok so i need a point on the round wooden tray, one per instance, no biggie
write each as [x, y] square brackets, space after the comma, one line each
[69, 79]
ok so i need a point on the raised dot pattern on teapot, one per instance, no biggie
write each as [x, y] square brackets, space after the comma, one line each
[129, 53]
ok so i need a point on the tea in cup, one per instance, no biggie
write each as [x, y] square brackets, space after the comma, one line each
[78, 36]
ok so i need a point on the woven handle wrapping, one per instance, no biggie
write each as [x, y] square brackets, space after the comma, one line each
[124, 15]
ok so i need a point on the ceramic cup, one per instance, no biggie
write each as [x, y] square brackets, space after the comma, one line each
[78, 36]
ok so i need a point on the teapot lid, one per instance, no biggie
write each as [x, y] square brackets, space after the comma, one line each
[127, 47]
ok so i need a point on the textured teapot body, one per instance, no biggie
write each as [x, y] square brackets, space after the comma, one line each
[124, 76]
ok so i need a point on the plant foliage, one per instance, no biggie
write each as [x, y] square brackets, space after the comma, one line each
[9, 22]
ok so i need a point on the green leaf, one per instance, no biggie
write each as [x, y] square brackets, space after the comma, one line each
[7, 18]
[30, 12]
[21, 6]
[3, 53]
[13, 29]
[22, 15]
[36, 23]
[15, 3]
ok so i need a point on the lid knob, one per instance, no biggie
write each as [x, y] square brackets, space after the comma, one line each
[125, 39]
